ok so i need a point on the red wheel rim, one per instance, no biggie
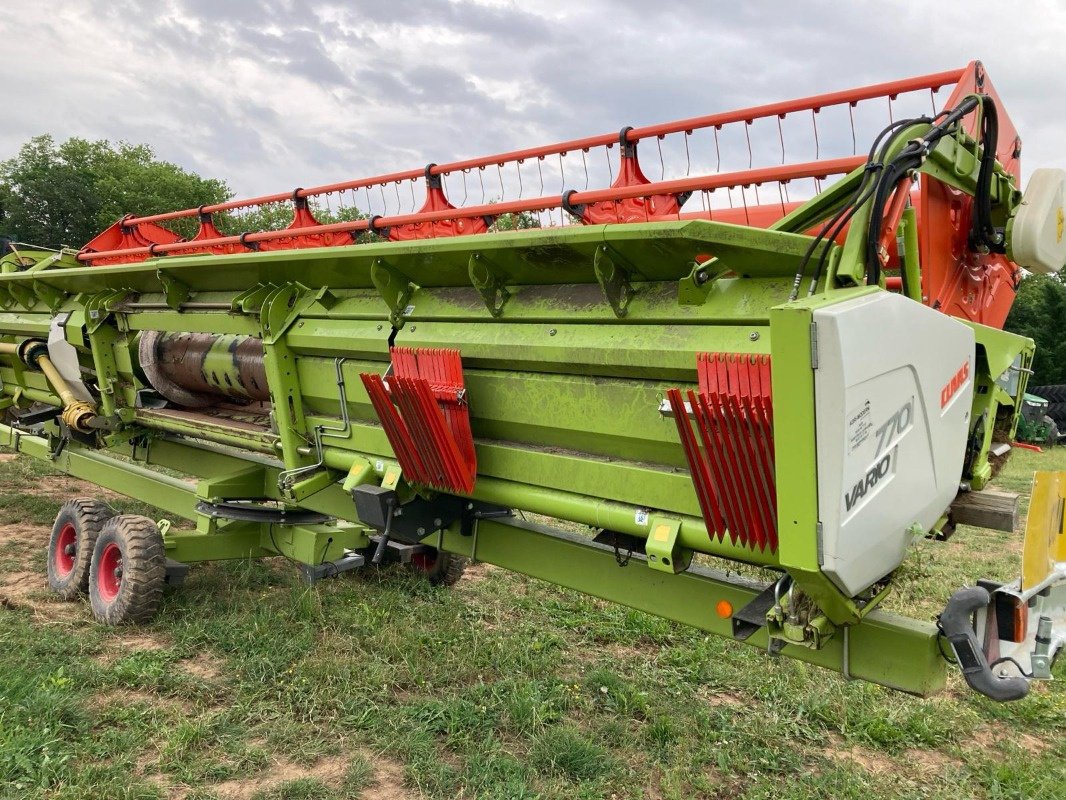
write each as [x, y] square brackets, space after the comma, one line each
[424, 561]
[66, 550]
[109, 573]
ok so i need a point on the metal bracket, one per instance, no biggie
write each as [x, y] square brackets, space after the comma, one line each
[693, 290]
[51, 296]
[282, 306]
[753, 616]
[395, 289]
[613, 274]
[176, 291]
[661, 548]
[22, 294]
[251, 300]
[490, 283]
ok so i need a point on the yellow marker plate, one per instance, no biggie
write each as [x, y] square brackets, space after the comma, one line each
[1045, 529]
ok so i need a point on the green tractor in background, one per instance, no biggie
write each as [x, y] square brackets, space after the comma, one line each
[1036, 425]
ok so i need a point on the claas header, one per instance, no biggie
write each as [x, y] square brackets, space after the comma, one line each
[797, 363]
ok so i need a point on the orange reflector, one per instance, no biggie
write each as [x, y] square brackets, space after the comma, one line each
[724, 609]
[1021, 620]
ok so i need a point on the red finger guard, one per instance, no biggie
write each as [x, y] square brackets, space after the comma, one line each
[422, 407]
[731, 454]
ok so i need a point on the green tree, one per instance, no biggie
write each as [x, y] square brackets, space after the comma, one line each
[1039, 312]
[65, 194]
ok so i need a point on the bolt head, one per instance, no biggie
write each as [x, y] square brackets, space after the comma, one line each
[552, 331]
[754, 336]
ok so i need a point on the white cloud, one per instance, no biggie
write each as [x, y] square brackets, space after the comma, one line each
[269, 95]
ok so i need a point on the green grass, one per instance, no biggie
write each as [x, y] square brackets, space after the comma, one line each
[502, 687]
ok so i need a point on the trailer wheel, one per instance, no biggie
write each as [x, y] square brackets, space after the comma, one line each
[439, 567]
[128, 571]
[70, 548]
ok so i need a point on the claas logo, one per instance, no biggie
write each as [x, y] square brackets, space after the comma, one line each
[952, 386]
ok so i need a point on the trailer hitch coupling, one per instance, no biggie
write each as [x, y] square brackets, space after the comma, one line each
[959, 630]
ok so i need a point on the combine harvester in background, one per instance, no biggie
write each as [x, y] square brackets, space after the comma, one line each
[719, 363]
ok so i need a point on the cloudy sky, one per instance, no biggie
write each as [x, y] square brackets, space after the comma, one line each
[272, 94]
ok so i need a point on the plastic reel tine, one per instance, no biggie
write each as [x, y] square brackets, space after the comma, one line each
[409, 408]
[745, 427]
[719, 383]
[719, 512]
[760, 374]
[395, 430]
[408, 444]
[431, 420]
[710, 436]
[447, 449]
[738, 461]
[697, 466]
[751, 427]
[714, 444]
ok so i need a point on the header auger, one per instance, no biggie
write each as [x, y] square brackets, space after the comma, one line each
[794, 364]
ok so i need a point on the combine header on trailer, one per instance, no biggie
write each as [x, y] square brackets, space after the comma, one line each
[793, 363]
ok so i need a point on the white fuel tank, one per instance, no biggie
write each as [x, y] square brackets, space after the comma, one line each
[893, 391]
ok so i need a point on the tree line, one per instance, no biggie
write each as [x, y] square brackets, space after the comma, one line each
[63, 194]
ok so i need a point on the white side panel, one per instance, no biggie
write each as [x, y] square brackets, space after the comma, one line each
[65, 358]
[893, 391]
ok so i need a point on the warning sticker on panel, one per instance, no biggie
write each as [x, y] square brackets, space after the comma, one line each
[859, 427]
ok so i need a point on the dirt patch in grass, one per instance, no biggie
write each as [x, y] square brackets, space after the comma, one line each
[930, 763]
[28, 591]
[121, 644]
[329, 771]
[24, 536]
[475, 574]
[202, 666]
[388, 781]
[992, 740]
[715, 699]
[918, 762]
[873, 762]
[127, 697]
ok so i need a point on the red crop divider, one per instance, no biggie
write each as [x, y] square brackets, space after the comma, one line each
[733, 472]
[422, 408]
[434, 229]
[629, 209]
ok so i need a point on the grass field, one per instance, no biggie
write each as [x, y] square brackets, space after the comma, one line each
[249, 684]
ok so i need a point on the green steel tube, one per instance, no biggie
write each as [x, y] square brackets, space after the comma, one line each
[911, 266]
[36, 395]
[585, 510]
[204, 432]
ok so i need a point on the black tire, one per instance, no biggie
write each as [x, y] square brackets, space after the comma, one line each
[70, 547]
[1057, 411]
[1055, 393]
[438, 567]
[128, 571]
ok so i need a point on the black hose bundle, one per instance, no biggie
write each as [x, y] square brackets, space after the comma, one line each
[880, 179]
